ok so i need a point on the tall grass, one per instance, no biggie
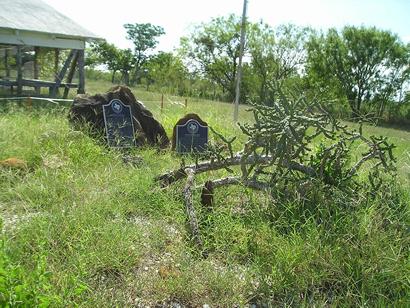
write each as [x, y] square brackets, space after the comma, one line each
[81, 227]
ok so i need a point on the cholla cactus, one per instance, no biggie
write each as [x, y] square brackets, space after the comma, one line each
[293, 141]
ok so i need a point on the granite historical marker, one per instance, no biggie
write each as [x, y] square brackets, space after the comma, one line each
[191, 137]
[118, 124]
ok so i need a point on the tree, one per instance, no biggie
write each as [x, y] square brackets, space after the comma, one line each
[144, 37]
[166, 70]
[366, 65]
[116, 59]
[213, 50]
[126, 62]
[106, 53]
[277, 55]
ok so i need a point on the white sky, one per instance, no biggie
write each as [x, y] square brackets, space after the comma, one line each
[106, 18]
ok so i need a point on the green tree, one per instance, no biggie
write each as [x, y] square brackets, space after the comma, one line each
[107, 54]
[126, 62]
[144, 37]
[167, 70]
[277, 58]
[115, 59]
[212, 49]
[366, 65]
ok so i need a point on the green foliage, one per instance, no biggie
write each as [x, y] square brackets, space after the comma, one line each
[166, 71]
[277, 58]
[213, 50]
[144, 37]
[115, 58]
[95, 232]
[366, 65]
[22, 288]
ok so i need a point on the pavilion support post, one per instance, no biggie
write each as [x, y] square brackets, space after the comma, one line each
[62, 73]
[6, 62]
[19, 71]
[56, 62]
[71, 74]
[81, 76]
[36, 70]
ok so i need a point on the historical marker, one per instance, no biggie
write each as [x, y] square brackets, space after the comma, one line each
[118, 124]
[191, 137]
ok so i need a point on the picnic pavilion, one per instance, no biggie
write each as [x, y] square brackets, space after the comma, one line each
[29, 27]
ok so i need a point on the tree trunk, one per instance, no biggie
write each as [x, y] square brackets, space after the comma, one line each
[126, 77]
[113, 76]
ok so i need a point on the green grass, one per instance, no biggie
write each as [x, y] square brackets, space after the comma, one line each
[80, 227]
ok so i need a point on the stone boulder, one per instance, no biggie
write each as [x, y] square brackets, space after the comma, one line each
[88, 109]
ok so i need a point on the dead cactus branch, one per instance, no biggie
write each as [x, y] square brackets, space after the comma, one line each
[189, 206]
[292, 142]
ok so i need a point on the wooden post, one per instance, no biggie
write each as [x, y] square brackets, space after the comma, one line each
[19, 71]
[36, 71]
[239, 69]
[6, 62]
[186, 103]
[81, 77]
[29, 103]
[162, 102]
[56, 61]
[61, 75]
[71, 74]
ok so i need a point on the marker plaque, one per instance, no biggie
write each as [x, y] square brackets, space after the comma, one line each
[119, 126]
[191, 137]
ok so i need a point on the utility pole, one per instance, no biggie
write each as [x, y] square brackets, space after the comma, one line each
[239, 71]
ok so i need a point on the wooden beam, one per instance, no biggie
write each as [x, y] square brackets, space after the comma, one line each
[36, 83]
[19, 71]
[36, 71]
[71, 74]
[61, 75]
[56, 61]
[81, 77]
[31, 38]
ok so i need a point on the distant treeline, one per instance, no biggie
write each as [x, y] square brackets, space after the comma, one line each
[355, 71]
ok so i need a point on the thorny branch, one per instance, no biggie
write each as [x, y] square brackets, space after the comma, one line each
[294, 140]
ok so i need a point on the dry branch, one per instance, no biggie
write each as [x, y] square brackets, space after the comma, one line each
[172, 176]
[236, 180]
[189, 206]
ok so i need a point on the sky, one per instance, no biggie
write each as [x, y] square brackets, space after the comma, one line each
[177, 17]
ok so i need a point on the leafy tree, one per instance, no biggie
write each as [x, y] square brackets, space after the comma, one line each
[277, 56]
[126, 62]
[366, 65]
[144, 37]
[116, 59]
[106, 53]
[213, 49]
[166, 70]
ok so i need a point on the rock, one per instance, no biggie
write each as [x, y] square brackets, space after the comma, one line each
[89, 109]
[14, 163]
[182, 121]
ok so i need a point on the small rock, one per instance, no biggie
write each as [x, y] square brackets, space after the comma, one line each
[14, 163]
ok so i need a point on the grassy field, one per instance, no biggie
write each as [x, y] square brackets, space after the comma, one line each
[80, 227]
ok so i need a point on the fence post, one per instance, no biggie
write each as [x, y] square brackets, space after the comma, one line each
[186, 103]
[162, 102]
[29, 103]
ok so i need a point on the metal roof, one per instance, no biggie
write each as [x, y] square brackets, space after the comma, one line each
[37, 16]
